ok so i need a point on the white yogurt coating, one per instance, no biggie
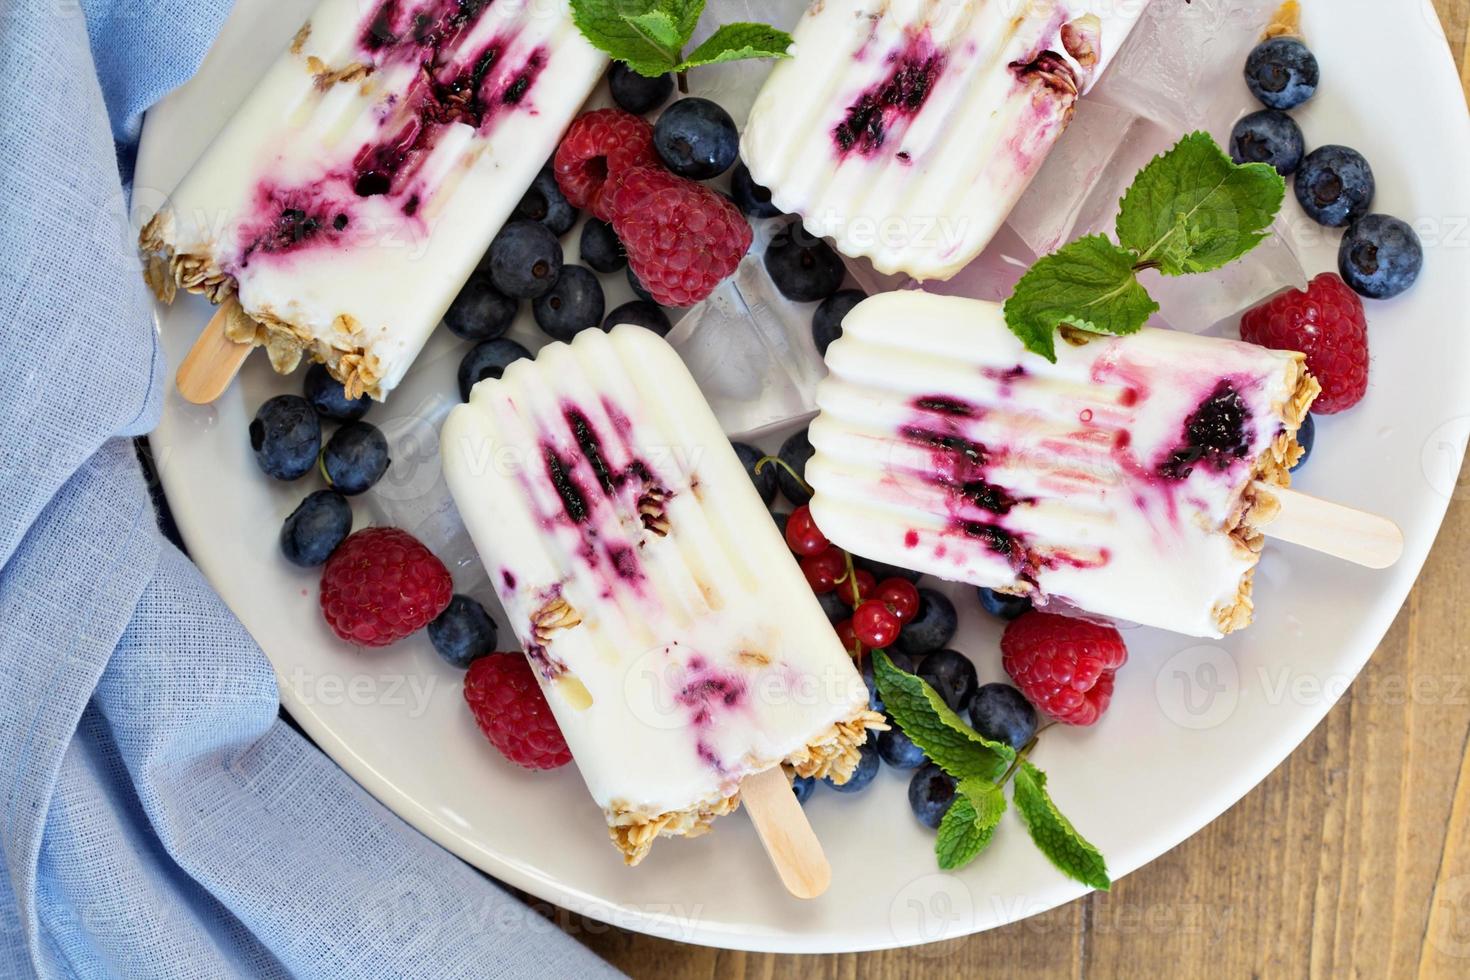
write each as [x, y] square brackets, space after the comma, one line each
[967, 126]
[943, 446]
[298, 142]
[701, 654]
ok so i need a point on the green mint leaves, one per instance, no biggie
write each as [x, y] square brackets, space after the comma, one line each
[982, 768]
[651, 35]
[1190, 210]
[1054, 834]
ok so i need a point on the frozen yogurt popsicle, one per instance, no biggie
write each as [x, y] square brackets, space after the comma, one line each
[905, 130]
[674, 635]
[1120, 481]
[357, 186]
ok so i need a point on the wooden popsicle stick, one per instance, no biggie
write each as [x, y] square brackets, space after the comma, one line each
[785, 833]
[1333, 529]
[214, 360]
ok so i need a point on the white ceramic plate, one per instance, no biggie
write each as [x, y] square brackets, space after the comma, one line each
[1193, 726]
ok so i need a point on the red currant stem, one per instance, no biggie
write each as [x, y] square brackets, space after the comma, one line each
[785, 466]
[851, 577]
[321, 465]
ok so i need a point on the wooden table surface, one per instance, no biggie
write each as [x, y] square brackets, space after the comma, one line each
[1358, 845]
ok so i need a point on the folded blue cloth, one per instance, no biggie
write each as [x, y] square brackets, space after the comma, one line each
[157, 819]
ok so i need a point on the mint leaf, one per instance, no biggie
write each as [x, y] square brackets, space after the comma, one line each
[969, 823]
[1193, 210]
[924, 717]
[1089, 284]
[634, 31]
[1054, 834]
[657, 27]
[734, 42]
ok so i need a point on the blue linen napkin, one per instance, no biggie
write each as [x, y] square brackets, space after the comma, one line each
[157, 818]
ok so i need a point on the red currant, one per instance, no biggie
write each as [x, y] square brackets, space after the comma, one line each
[823, 569]
[865, 585]
[802, 535]
[900, 595]
[875, 624]
[849, 639]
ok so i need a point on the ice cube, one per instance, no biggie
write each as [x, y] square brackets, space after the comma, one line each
[412, 494]
[734, 84]
[751, 352]
[1047, 214]
[1181, 66]
[993, 274]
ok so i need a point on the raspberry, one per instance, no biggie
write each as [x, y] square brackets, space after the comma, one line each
[1064, 666]
[380, 585]
[1327, 324]
[510, 709]
[599, 146]
[681, 237]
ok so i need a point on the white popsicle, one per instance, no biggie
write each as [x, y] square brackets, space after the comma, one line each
[676, 639]
[1120, 480]
[361, 181]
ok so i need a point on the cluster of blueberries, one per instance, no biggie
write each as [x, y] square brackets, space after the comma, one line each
[998, 711]
[1380, 256]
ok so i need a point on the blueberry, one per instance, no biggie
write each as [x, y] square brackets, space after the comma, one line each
[794, 452]
[802, 786]
[932, 627]
[749, 196]
[804, 269]
[1002, 714]
[1334, 185]
[329, 398]
[463, 632]
[882, 570]
[636, 284]
[286, 436]
[765, 480]
[601, 248]
[1305, 437]
[638, 93]
[1281, 72]
[525, 259]
[544, 202]
[573, 305]
[480, 311]
[950, 674]
[867, 768]
[1001, 605]
[832, 605]
[898, 750]
[355, 458]
[487, 360]
[931, 792]
[827, 319]
[640, 313]
[1270, 137]
[315, 528]
[1380, 256]
[900, 660]
[697, 139]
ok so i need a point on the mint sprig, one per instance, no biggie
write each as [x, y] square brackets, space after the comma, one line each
[1191, 210]
[982, 768]
[651, 35]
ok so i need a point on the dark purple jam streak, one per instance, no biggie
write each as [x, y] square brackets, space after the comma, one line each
[1216, 434]
[899, 97]
[472, 90]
